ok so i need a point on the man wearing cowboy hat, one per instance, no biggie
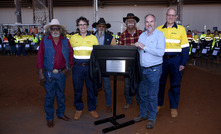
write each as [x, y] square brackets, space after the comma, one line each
[54, 59]
[129, 37]
[105, 38]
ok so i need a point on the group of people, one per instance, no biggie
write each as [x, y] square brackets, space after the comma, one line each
[20, 39]
[208, 40]
[163, 51]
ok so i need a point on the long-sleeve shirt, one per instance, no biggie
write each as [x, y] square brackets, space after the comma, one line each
[59, 61]
[154, 48]
[129, 39]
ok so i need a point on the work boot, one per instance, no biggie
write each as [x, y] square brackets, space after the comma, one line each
[158, 108]
[77, 115]
[174, 113]
[94, 114]
[139, 118]
[126, 106]
[150, 124]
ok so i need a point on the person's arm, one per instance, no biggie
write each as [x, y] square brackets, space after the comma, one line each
[40, 62]
[185, 48]
[159, 50]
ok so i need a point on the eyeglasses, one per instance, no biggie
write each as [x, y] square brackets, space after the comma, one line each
[55, 28]
[171, 15]
[82, 25]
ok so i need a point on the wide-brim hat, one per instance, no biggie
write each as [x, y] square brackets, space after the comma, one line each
[131, 16]
[54, 22]
[101, 21]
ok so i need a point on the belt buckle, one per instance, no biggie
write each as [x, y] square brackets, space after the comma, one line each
[83, 64]
[55, 71]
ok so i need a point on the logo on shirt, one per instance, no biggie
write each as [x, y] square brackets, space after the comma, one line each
[173, 33]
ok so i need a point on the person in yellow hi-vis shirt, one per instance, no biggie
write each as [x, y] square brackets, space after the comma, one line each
[174, 60]
[82, 44]
[21, 45]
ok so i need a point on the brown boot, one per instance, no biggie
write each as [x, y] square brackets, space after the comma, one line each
[158, 108]
[174, 113]
[77, 115]
[94, 114]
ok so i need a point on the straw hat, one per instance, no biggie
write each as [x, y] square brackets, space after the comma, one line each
[54, 22]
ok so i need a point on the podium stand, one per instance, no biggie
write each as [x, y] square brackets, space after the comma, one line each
[115, 60]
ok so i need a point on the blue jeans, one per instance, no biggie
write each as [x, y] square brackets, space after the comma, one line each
[107, 89]
[171, 68]
[80, 74]
[127, 94]
[21, 48]
[148, 91]
[13, 49]
[54, 85]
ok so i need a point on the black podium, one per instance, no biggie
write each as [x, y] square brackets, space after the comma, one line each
[115, 60]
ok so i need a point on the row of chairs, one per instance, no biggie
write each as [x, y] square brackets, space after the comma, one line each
[6, 49]
[205, 54]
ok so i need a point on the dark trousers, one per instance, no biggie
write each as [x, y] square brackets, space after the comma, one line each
[171, 68]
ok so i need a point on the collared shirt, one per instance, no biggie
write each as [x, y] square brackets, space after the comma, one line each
[154, 48]
[176, 37]
[59, 61]
[129, 39]
[209, 37]
[83, 46]
[100, 39]
[176, 41]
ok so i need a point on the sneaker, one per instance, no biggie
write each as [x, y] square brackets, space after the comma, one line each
[108, 109]
[126, 106]
[77, 115]
[139, 118]
[94, 114]
[150, 124]
[174, 113]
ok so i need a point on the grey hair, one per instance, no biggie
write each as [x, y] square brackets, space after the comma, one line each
[62, 31]
[171, 9]
[149, 15]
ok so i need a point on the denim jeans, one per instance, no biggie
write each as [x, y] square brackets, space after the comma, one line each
[171, 68]
[127, 93]
[21, 48]
[148, 91]
[54, 85]
[80, 74]
[107, 89]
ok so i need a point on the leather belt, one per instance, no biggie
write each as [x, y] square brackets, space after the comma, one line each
[81, 64]
[55, 71]
[170, 56]
[152, 66]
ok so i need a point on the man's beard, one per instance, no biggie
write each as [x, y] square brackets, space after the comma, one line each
[55, 34]
[100, 33]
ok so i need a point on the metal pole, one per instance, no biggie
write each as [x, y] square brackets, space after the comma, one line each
[18, 11]
[95, 11]
[179, 11]
[50, 10]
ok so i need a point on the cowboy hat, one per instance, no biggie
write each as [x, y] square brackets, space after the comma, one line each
[131, 16]
[54, 22]
[101, 21]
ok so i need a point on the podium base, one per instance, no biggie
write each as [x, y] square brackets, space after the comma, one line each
[114, 122]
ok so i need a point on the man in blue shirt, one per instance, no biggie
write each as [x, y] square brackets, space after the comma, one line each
[151, 45]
